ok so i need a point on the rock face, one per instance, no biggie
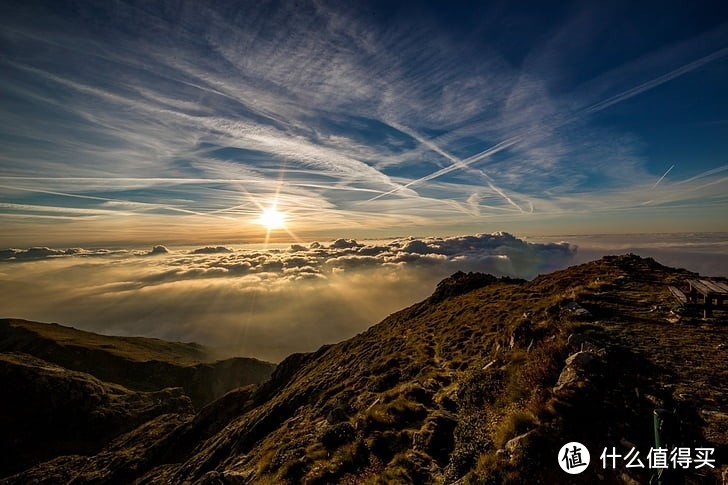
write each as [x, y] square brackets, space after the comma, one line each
[47, 410]
[481, 384]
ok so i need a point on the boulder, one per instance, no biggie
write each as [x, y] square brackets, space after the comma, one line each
[577, 311]
[581, 371]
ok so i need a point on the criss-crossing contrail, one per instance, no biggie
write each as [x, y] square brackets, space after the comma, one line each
[663, 176]
[594, 108]
[455, 166]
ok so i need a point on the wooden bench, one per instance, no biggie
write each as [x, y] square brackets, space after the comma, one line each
[720, 284]
[708, 291]
[677, 293]
[715, 286]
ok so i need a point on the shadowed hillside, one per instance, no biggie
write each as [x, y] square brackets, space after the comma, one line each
[481, 383]
[144, 364]
[48, 410]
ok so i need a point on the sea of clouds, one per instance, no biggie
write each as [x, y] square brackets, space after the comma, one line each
[254, 301]
[269, 302]
[702, 252]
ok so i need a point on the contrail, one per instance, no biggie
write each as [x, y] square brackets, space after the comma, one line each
[451, 168]
[691, 66]
[594, 108]
[108, 199]
[663, 176]
[503, 194]
[428, 143]
[712, 171]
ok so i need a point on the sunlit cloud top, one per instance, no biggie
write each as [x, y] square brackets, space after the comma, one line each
[190, 121]
[258, 301]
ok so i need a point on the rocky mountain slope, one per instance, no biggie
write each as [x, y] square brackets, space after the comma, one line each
[48, 411]
[70, 391]
[144, 364]
[481, 383]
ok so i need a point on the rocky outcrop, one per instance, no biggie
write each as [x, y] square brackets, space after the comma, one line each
[460, 283]
[577, 311]
[583, 371]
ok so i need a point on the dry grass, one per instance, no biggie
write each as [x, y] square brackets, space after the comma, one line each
[488, 359]
[141, 349]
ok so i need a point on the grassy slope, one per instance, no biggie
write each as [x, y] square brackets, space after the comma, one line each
[138, 349]
[462, 388]
[439, 391]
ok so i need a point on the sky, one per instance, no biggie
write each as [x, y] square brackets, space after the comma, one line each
[305, 168]
[180, 122]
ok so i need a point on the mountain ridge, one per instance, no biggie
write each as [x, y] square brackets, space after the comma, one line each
[480, 383]
[141, 363]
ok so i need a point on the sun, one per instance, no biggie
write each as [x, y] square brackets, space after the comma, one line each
[272, 218]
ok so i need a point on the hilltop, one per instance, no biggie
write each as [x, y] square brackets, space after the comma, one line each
[44, 338]
[482, 382]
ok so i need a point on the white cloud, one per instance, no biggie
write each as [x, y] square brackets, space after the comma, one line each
[263, 303]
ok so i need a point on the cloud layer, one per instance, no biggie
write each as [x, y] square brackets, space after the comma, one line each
[266, 303]
[271, 302]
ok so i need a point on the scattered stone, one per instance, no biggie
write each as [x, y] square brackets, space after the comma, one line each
[579, 374]
[577, 311]
[515, 447]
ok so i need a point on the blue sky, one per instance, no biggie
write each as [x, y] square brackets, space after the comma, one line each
[182, 121]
